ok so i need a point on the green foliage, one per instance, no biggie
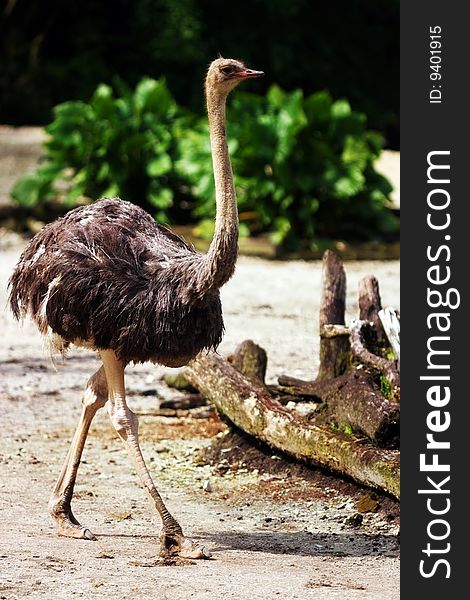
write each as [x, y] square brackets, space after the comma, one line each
[303, 166]
[112, 146]
[385, 387]
[346, 428]
[303, 169]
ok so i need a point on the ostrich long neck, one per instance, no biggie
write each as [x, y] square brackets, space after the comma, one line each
[219, 262]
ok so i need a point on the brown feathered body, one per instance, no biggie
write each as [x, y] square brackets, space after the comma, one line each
[108, 276]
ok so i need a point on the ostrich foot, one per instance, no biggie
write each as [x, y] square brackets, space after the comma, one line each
[68, 526]
[175, 544]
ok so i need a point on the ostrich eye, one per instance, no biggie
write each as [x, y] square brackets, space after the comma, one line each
[228, 70]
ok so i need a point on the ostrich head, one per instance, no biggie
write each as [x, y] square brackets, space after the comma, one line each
[225, 73]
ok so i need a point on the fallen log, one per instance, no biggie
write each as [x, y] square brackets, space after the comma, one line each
[353, 400]
[251, 408]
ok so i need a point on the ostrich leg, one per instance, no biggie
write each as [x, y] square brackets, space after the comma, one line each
[94, 398]
[126, 424]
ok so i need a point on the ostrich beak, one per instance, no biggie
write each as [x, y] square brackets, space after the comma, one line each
[249, 73]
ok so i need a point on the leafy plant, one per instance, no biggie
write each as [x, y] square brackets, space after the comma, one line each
[303, 169]
[303, 166]
[346, 428]
[111, 146]
[385, 387]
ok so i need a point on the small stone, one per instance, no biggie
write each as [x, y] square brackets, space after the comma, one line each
[120, 516]
[104, 555]
[354, 520]
[206, 486]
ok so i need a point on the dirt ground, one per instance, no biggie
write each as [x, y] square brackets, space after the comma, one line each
[275, 530]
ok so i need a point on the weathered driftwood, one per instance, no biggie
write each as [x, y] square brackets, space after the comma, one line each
[368, 298]
[329, 330]
[390, 319]
[349, 395]
[251, 360]
[387, 367]
[352, 399]
[334, 349]
[298, 388]
[251, 408]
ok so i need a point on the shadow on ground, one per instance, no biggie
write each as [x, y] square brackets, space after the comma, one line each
[306, 543]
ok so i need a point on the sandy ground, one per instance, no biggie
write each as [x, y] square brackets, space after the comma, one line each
[272, 535]
[264, 546]
[20, 149]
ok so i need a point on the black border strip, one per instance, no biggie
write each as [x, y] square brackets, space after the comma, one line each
[442, 128]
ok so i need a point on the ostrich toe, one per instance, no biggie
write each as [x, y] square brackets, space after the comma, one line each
[68, 526]
[177, 545]
[69, 529]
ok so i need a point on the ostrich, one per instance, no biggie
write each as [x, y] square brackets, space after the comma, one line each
[107, 277]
